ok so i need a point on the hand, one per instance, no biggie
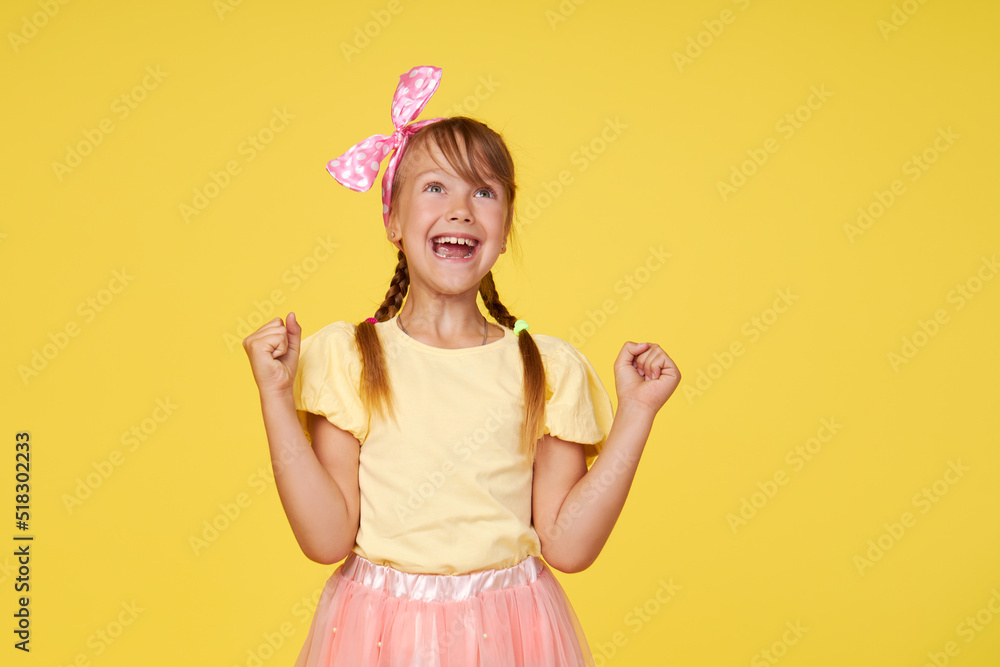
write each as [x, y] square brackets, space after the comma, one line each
[274, 354]
[645, 375]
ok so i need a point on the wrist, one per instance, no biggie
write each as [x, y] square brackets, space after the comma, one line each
[635, 410]
[277, 396]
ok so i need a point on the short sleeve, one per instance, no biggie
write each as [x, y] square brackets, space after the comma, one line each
[577, 407]
[327, 380]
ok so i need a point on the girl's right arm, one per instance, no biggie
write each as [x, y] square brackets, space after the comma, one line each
[318, 484]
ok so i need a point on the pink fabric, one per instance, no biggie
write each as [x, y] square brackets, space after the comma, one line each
[358, 167]
[372, 615]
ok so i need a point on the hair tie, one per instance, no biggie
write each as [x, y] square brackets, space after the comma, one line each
[371, 320]
[358, 167]
[520, 326]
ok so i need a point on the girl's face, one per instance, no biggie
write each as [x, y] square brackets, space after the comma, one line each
[435, 202]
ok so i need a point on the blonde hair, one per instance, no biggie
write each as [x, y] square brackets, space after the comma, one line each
[485, 157]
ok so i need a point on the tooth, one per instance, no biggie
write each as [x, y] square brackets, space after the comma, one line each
[472, 243]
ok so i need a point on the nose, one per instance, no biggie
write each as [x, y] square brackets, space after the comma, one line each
[460, 210]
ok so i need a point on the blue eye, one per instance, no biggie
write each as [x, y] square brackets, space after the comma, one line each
[440, 188]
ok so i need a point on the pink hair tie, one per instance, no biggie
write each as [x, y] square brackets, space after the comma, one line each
[358, 167]
[371, 320]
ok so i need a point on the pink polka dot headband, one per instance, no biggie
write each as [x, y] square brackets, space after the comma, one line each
[358, 167]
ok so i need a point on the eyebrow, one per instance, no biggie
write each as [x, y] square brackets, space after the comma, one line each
[431, 171]
[445, 173]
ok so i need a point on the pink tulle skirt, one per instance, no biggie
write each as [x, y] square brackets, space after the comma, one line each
[373, 615]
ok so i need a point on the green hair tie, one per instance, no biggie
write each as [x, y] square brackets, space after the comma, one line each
[520, 326]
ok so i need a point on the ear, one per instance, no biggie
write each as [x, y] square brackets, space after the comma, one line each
[393, 229]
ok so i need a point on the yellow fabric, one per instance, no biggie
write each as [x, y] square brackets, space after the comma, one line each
[447, 489]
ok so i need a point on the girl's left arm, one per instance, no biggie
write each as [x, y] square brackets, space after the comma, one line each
[573, 509]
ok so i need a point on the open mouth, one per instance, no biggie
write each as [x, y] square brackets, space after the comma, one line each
[454, 247]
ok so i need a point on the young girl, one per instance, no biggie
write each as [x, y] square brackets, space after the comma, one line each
[441, 454]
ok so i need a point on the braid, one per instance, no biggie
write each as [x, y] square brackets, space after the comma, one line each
[531, 359]
[375, 392]
[398, 286]
[491, 299]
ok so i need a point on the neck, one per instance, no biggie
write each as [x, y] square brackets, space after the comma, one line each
[450, 317]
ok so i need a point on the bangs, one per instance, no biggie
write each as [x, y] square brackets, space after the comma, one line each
[474, 151]
[480, 161]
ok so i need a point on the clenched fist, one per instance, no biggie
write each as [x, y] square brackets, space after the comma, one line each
[645, 375]
[274, 354]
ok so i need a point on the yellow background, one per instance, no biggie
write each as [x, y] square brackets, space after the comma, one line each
[550, 77]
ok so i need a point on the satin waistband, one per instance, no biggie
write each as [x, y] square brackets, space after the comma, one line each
[430, 587]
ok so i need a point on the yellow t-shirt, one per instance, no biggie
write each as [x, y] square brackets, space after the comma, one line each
[448, 489]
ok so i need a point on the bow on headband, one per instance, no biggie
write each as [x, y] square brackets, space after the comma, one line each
[358, 167]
